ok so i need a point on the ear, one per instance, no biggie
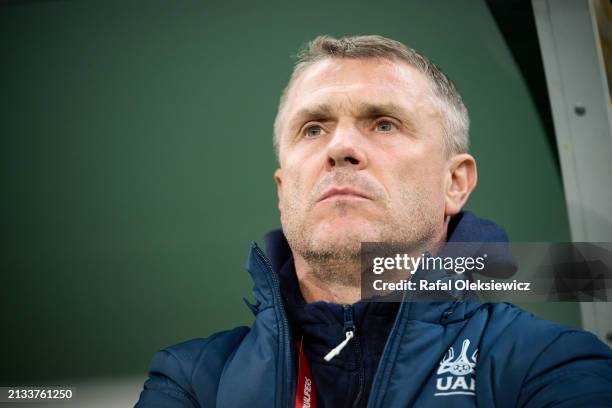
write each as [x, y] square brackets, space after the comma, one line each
[461, 179]
[278, 179]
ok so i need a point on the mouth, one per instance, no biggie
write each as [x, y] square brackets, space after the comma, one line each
[343, 193]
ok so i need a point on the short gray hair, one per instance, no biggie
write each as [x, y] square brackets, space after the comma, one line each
[446, 98]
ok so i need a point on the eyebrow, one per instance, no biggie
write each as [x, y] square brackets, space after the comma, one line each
[369, 110]
[364, 110]
[318, 112]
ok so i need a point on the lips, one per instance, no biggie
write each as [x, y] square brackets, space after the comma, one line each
[343, 192]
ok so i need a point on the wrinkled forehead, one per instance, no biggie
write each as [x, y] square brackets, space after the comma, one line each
[345, 85]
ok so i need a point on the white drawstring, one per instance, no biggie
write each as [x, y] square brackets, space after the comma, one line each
[336, 350]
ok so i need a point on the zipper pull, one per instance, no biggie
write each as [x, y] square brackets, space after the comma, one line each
[349, 332]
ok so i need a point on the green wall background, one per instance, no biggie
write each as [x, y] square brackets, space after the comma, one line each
[137, 162]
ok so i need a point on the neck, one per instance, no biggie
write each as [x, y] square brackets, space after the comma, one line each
[315, 287]
[315, 278]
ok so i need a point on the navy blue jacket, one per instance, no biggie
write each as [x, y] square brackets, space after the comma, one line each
[452, 353]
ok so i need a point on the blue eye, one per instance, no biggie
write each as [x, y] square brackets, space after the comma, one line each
[385, 126]
[313, 131]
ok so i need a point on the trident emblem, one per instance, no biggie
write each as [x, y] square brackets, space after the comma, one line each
[461, 365]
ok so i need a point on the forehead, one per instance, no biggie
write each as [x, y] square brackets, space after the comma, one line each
[345, 83]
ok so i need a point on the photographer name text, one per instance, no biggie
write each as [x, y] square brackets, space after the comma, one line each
[447, 285]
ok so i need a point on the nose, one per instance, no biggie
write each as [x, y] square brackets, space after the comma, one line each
[346, 149]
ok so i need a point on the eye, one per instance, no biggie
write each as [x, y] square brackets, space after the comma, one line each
[385, 126]
[313, 131]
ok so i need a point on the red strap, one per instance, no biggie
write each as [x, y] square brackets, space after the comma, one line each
[305, 393]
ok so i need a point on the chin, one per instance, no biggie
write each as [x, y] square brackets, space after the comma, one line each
[345, 235]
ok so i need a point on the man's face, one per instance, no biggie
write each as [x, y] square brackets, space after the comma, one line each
[361, 156]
